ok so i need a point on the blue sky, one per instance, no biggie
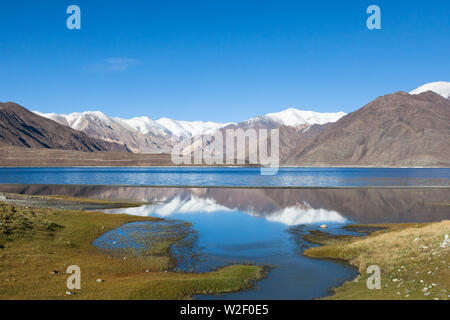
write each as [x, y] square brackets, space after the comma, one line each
[217, 60]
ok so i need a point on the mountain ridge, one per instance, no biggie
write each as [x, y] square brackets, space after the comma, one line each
[142, 134]
[20, 127]
[395, 129]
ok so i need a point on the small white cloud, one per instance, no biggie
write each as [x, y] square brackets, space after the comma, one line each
[119, 64]
[112, 65]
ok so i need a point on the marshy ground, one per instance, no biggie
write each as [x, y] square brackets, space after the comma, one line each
[38, 244]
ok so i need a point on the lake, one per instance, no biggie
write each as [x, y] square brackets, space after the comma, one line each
[286, 177]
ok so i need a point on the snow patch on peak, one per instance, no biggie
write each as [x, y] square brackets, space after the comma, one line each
[294, 117]
[440, 87]
[145, 125]
[190, 128]
[76, 120]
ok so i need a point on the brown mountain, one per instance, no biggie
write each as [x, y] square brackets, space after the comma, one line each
[290, 137]
[394, 130]
[20, 127]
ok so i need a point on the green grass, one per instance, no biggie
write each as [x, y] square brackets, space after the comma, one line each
[409, 255]
[35, 242]
[61, 199]
[323, 238]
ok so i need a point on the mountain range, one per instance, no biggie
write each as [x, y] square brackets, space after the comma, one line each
[144, 135]
[399, 129]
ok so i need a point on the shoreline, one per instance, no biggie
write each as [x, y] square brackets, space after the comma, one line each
[225, 166]
[223, 186]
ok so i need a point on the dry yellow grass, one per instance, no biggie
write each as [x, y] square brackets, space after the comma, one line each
[410, 257]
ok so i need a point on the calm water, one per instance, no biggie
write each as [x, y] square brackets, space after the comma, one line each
[312, 177]
[260, 226]
[228, 236]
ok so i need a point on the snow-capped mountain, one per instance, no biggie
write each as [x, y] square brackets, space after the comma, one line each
[138, 134]
[440, 87]
[145, 125]
[77, 120]
[294, 118]
[292, 123]
[191, 128]
[142, 134]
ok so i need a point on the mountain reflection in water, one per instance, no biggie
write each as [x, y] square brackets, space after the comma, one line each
[295, 215]
[289, 206]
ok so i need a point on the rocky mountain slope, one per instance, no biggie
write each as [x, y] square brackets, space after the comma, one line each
[139, 134]
[398, 129]
[20, 127]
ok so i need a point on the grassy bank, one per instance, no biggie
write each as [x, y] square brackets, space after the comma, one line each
[413, 263]
[66, 202]
[37, 246]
